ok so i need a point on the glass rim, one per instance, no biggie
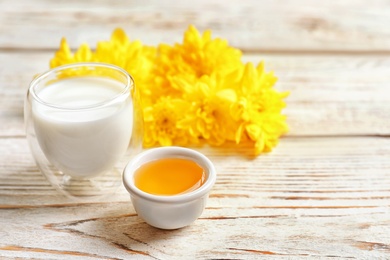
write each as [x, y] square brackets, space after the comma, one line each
[129, 84]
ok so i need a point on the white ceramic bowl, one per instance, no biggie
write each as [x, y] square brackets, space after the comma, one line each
[169, 212]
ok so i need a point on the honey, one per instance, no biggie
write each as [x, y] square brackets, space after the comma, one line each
[169, 176]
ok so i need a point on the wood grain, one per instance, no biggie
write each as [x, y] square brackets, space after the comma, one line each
[323, 193]
[294, 25]
[120, 236]
[318, 170]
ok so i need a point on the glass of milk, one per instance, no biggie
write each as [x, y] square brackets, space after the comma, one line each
[83, 124]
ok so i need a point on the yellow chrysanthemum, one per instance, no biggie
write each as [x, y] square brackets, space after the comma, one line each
[160, 123]
[208, 116]
[204, 55]
[195, 90]
[65, 56]
[134, 57]
[259, 109]
[197, 56]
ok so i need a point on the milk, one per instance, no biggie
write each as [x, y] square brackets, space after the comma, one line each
[89, 141]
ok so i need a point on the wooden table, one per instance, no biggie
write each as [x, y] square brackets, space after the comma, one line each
[324, 192]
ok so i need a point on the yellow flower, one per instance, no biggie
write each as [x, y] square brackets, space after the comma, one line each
[65, 56]
[205, 55]
[197, 56]
[134, 57]
[160, 123]
[137, 59]
[208, 116]
[259, 109]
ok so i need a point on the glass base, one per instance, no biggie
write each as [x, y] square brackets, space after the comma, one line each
[87, 188]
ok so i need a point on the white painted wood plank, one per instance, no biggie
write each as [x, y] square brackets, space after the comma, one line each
[325, 171]
[113, 232]
[303, 25]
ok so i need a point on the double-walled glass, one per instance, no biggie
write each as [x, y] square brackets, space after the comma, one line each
[83, 124]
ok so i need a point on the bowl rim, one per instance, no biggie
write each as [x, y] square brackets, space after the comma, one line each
[169, 152]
